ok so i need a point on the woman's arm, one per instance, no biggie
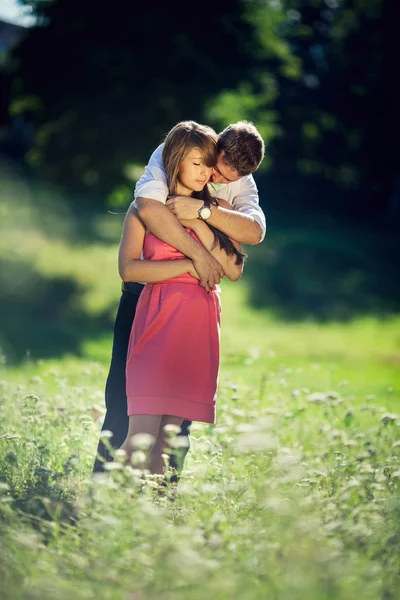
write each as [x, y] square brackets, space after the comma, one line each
[206, 236]
[132, 268]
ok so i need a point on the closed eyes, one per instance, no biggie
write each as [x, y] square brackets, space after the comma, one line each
[222, 175]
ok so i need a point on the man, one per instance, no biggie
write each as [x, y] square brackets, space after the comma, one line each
[240, 152]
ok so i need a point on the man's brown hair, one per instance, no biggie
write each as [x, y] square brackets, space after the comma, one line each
[243, 147]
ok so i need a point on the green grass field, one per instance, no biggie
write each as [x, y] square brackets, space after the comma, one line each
[293, 495]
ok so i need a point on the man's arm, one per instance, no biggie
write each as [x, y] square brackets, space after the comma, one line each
[245, 224]
[246, 202]
[237, 225]
[233, 270]
[153, 182]
[164, 225]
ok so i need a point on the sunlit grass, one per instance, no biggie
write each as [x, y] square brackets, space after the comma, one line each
[293, 494]
[290, 494]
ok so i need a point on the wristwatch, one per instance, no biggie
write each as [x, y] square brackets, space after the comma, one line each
[205, 211]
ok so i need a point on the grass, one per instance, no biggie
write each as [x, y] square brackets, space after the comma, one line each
[293, 494]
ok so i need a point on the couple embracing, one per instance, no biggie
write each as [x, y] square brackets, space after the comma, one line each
[194, 206]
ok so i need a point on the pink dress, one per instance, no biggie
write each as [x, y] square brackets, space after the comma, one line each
[174, 348]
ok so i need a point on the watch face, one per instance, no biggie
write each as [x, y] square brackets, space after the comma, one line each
[205, 212]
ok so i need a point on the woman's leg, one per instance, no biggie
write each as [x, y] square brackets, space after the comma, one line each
[149, 424]
[163, 444]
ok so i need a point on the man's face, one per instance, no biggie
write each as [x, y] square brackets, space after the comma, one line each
[221, 173]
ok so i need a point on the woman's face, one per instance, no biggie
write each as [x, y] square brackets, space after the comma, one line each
[193, 173]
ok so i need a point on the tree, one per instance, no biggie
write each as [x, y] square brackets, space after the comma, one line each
[103, 86]
[341, 119]
[330, 110]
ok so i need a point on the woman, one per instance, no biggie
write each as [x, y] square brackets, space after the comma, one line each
[173, 356]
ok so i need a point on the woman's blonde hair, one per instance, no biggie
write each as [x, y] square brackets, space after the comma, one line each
[178, 142]
[182, 138]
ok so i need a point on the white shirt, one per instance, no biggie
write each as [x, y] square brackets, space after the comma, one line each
[242, 194]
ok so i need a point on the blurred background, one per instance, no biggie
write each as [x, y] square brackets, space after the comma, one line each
[87, 93]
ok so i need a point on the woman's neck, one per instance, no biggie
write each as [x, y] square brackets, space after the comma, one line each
[181, 190]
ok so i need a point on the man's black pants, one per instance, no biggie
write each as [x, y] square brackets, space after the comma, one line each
[116, 419]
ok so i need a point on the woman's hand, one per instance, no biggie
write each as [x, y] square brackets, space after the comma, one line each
[189, 223]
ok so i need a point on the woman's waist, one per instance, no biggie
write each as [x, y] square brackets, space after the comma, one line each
[184, 279]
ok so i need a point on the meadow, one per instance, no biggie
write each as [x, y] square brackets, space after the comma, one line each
[294, 494]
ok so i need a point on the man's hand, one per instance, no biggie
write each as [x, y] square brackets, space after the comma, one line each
[209, 270]
[184, 207]
[192, 271]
